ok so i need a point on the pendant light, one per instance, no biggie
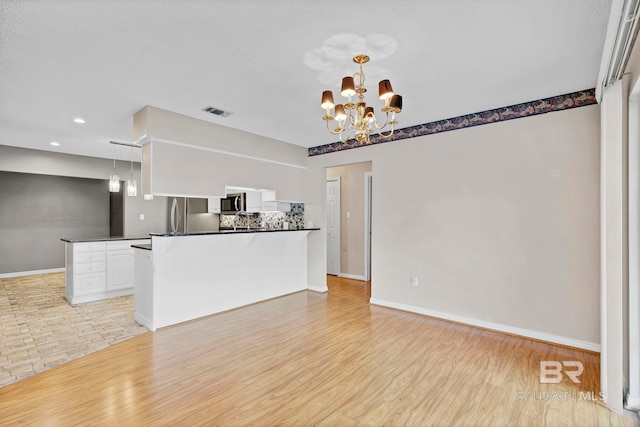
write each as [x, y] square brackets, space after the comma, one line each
[114, 179]
[132, 185]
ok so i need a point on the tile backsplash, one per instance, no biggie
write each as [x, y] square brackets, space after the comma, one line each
[272, 220]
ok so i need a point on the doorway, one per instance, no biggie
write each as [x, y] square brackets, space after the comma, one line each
[333, 225]
[116, 212]
[349, 220]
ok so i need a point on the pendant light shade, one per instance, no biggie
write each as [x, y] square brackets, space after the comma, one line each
[340, 113]
[114, 179]
[114, 183]
[384, 89]
[348, 87]
[396, 103]
[132, 185]
[327, 99]
[368, 114]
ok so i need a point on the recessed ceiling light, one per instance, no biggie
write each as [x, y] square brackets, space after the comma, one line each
[55, 144]
[79, 120]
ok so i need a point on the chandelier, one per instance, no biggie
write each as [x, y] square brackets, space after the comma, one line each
[356, 117]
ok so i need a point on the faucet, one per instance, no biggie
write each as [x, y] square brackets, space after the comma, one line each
[235, 219]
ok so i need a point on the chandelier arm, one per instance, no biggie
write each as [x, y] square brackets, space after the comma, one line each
[337, 131]
[345, 139]
[386, 122]
[387, 135]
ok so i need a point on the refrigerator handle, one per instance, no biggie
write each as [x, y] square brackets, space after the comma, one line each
[174, 210]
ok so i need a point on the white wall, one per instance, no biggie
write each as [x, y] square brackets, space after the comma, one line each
[195, 157]
[500, 223]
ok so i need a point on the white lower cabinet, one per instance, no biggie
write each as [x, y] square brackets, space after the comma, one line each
[89, 283]
[98, 270]
[119, 269]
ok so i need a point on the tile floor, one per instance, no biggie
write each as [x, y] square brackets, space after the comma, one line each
[40, 330]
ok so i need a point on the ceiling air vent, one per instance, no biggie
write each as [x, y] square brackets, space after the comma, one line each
[217, 111]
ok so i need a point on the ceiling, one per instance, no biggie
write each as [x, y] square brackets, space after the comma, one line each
[268, 61]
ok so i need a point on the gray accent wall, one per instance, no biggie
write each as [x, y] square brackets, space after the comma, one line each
[50, 165]
[36, 211]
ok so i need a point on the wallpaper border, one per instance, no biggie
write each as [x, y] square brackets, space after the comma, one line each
[541, 106]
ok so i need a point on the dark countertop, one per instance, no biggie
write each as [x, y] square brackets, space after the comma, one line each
[145, 247]
[103, 239]
[238, 231]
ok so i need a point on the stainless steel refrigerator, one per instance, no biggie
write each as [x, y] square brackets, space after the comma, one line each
[190, 215]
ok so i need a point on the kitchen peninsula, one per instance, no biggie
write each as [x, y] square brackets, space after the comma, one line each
[181, 277]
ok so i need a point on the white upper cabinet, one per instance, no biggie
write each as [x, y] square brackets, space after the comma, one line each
[254, 201]
[213, 205]
[261, 200]
[268, 195]
[276, 206]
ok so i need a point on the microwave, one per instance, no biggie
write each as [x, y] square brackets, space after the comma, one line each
[233, 203]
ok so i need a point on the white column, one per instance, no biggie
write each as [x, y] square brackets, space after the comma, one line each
[633, 395]
[614, 249]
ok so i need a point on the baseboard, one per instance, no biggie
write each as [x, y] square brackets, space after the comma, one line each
[81, 299]
[31, 273]
[321, 289]
[351, 276]
[120, 292]
[512, 330]
[633, 403]
[144, 321]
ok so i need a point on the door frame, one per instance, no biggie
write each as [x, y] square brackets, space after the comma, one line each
[339, 217]
[368, 183]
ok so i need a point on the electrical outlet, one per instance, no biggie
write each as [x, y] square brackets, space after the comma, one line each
[414, 281]
[141, 217]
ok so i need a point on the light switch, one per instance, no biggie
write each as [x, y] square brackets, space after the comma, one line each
[348, 214]
[141, 217]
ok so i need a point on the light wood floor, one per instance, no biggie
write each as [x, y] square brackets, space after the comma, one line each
[311, 359]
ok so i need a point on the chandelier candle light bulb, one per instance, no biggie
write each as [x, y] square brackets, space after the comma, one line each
[358, 117]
